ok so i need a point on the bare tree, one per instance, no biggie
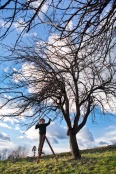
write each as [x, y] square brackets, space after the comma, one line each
[20, 152]
[71, 73]
[4, 153]
[58, 80]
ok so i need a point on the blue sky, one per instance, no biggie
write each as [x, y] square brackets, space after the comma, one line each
[98, 132]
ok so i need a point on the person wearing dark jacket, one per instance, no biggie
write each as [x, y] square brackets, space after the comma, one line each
[41, 125]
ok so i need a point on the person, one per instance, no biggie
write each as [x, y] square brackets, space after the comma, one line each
[34, 149]
[41, 125]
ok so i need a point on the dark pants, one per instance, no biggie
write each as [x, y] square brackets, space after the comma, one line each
[41, 143]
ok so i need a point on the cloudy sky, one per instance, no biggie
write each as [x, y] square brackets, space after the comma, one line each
[99, 132]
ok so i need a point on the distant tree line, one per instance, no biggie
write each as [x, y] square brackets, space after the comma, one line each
[19, 152]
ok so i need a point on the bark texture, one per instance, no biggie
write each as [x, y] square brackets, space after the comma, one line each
[74, 145]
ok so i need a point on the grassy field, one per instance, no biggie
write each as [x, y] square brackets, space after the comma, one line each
[94, 161]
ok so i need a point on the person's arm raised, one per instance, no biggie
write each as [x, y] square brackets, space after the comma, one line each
[48, 122]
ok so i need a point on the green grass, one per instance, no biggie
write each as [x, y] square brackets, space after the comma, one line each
[94, 161]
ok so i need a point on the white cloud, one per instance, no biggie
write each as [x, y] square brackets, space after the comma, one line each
[43, 9]
[22, 131]
[85, 139]
[7, 110]
[103, 141]
[10, 119]
[21, 137]
[4, 136]
[113, 141]
[17, 128]
[109, 102]
[85, 134]
[19, 25]
[32, 134]
[56, 131]
[108, 138]
[5, 125]
[110, 128]
[69, 26]
[6, 145]
[111, 133]
[4, 24]
[53, 140]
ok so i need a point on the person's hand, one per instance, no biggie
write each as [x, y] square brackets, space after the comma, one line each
[50, 119]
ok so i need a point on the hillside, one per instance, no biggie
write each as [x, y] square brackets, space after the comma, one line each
[94, 161]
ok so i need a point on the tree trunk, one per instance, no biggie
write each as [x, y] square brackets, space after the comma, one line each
[74, 145]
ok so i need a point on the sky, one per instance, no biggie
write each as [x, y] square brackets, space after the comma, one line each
[101, 132]
[97, 132]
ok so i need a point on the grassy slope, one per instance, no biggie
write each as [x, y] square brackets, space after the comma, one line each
[94, 161]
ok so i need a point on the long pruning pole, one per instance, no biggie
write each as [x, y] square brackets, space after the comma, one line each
[51, 148]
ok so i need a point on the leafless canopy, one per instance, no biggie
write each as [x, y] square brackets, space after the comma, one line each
[69, 73]
[89, 18]
[54, 78]
[85, 31]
